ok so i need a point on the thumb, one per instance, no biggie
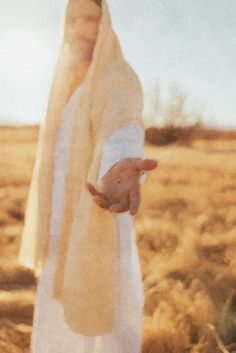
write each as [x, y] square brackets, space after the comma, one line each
[146, 164]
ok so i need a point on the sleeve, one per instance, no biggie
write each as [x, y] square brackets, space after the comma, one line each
[125, 142]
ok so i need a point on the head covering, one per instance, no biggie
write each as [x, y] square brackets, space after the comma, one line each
[110, 98]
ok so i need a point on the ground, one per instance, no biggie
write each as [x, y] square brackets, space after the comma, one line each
[186, 236]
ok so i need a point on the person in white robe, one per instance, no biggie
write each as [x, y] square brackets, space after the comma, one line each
[50, 333]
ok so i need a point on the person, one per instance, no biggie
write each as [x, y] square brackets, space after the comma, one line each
[122, 170]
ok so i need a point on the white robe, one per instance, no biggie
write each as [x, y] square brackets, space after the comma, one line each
[51, 334]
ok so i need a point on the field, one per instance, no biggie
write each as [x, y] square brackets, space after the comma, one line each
[186, 236]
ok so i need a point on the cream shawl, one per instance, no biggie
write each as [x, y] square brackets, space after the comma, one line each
[111, 97]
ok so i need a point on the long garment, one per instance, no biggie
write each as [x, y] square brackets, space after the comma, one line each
[51, 334]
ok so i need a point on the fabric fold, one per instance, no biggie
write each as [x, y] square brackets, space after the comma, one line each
[110, 98]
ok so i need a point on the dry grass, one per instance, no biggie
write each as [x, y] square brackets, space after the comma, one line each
[186, 235]
[186, 232]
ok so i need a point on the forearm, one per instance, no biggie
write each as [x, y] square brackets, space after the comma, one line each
[126, 142]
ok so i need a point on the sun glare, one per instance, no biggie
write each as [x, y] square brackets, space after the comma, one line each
[24, 53]
[26, 62]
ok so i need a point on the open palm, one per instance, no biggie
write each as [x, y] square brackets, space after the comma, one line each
[120, 187]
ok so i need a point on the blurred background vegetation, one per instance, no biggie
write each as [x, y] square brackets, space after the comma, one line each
[176, 123]
[185, 232]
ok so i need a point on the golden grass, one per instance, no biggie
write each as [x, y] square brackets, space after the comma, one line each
[186, 236]
[186, 233]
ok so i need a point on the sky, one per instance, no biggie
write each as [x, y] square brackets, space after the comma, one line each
[185, 43]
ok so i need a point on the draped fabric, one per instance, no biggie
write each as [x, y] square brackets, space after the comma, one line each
[110, 98]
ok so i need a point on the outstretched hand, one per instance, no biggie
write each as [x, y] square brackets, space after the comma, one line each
[120, 187]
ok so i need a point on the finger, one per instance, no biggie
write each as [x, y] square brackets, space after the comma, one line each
[94, 191]
[134, 200]
[101, 201]
[121, 206]
[146, 164]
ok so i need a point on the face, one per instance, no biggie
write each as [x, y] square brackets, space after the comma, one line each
[81, 27]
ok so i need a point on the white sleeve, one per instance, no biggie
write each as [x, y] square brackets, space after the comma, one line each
[125, 142]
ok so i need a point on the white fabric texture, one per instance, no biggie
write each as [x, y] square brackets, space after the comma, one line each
[125, 142]
[51, 334]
